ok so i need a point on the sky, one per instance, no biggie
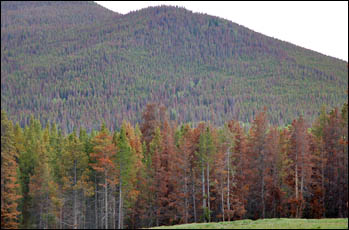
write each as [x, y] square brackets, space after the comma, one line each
[319, 26]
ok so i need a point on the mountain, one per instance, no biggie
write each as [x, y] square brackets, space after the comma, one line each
[77, 63]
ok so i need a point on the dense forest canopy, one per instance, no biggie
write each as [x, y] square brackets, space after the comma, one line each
[239, 128]
[163, 173]
[77, 63]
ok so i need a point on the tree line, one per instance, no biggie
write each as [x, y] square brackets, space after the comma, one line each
[160, 172]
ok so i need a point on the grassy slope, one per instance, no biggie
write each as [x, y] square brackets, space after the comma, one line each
[283, 223]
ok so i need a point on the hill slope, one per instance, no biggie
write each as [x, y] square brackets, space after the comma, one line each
[77, 63]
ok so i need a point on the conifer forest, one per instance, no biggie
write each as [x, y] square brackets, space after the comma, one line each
[162, 116]
[160, 172]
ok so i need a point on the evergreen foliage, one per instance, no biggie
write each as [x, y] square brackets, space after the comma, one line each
[183, 174]
[77, 63]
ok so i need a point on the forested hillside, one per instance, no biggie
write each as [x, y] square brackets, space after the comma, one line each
[160, 173]
[77, 63]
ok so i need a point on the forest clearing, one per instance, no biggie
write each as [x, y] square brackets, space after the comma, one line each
[282, 223]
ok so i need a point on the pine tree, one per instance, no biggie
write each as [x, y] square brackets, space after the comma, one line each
[299, 165]
[336, 168]
[319, 158]
[42, 187]
[104, 152]
[10, 193]
[239, 160]
[274, 194]
[125, 161]
[158, 188]
[257, 163]
[206, 151]
[75, 175]
[183, 168]
[28, 158]
[137, 180]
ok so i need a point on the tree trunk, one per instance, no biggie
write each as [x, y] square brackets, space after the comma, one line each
[263, 182]
[106, 200]
[84, 211]
[120, 204]
[193, 194]
[322, 179]
[275, 185]
[40, 218]
[222, 201]
[203, 190]
[263, 202]
[47, 211]
[96, 204]
[114, 212]
[340, 185]
[228, 184]
[208, 192]
[296, 186]
[302, 182]
[75, 205]
[186, 199]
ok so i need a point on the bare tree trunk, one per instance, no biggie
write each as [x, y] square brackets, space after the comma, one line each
[322, 180]
[228, 184]
[263, 202]
[186, 198]
[222, 201]
[263, 182]
[96, 204]
[302, 189]
[193, 194]
[122, 214]
[114, 212]
[46, 211]
[296, 179]
[106, 200]
[340, 185]
[302, 181]
[85, 212]
[75, 205]
[157, 209]
[203, 191]
[2, 187]
[120, 204]
[61, 217]
[40, 219]
[275, 179]
[344, 181]
[208, 192]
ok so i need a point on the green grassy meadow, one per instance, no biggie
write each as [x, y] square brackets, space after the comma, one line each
[283, 223]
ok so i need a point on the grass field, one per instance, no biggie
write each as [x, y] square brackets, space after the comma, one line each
[283, 223]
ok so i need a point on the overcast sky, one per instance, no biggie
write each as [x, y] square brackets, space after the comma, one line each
[320, 26]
